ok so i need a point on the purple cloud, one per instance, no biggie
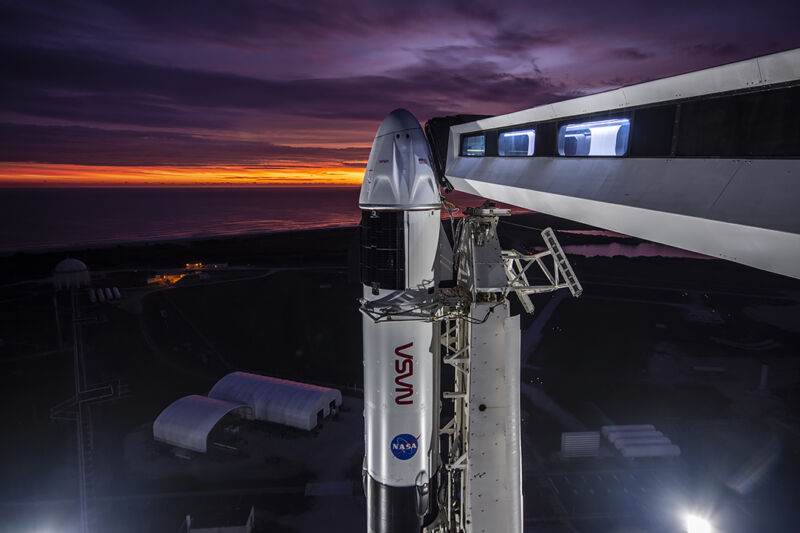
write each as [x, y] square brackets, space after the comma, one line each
[326, 73]
[94, 146]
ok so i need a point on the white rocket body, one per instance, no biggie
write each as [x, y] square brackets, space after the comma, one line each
[399, 243]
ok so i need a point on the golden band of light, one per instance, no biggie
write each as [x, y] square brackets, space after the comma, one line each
[39, 174]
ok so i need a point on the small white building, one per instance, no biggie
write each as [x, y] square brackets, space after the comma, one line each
[71, 273]
[643, 440]
[189, 422]
[277, 400]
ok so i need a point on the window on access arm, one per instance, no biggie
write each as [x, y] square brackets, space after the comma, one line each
[605, 138]
[474, 145]
[516, 143]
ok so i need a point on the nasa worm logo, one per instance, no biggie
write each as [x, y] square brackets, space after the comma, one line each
[404, 366]
[404, 446]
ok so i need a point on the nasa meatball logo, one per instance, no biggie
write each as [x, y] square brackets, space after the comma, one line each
[404, 446]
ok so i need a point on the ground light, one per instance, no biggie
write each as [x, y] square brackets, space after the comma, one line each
[696, 524]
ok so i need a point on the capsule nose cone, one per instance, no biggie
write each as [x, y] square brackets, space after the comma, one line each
[399, 173]
[397, 121]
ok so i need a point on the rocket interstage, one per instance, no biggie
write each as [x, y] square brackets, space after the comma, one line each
[400, 227]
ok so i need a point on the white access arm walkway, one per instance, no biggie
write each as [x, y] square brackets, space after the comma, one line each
[741, 209]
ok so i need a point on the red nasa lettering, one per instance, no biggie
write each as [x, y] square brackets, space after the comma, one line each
[404, 366]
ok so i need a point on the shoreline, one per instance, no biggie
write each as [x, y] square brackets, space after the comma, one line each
[338, 246]
[177, 239]
[568, 228]
[311, 247]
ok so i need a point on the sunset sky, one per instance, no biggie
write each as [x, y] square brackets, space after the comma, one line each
[203, 92]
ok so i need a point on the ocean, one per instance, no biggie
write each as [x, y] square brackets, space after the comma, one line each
[39, 218]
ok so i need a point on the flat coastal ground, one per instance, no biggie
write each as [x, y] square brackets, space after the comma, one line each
[626, 352]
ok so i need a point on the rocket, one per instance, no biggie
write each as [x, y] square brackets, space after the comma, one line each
[400, 224]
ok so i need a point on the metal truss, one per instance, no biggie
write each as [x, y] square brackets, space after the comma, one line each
[454, 340]
[455, 318]
[559, 276]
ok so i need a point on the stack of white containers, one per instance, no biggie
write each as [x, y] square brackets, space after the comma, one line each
[640, 441]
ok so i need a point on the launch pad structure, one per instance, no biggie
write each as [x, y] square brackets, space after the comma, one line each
[480, 340]
[706, 161]
[478, 484]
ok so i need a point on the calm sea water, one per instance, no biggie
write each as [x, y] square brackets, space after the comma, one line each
[36, 218]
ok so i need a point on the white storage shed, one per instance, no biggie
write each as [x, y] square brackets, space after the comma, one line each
[277, 400]
[187, 422]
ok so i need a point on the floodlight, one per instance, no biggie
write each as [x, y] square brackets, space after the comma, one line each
[696, 524]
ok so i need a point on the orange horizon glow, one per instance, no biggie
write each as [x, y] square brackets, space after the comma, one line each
[279, 173]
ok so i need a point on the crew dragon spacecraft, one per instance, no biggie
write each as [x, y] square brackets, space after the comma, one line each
[426, 303]
[400, 236]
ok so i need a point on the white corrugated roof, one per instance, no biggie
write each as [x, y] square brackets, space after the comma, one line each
[274, 399]
[187, 422]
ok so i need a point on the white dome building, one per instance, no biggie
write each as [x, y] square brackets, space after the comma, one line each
[71, 273]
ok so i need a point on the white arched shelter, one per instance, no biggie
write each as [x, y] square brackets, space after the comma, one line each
[187, 422]
[277, 400]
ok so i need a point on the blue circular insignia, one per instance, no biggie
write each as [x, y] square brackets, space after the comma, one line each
[404, 446]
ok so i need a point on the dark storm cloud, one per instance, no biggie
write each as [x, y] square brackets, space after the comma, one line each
[64, 85]
[259, 21]
[22, 21]
[241, 23]
[717, 51]
[80, 146]
[481, 83]
[102, 89]
[507, 40]
[103, 108]
[235, 22]
[633, 54]
[203, 66]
